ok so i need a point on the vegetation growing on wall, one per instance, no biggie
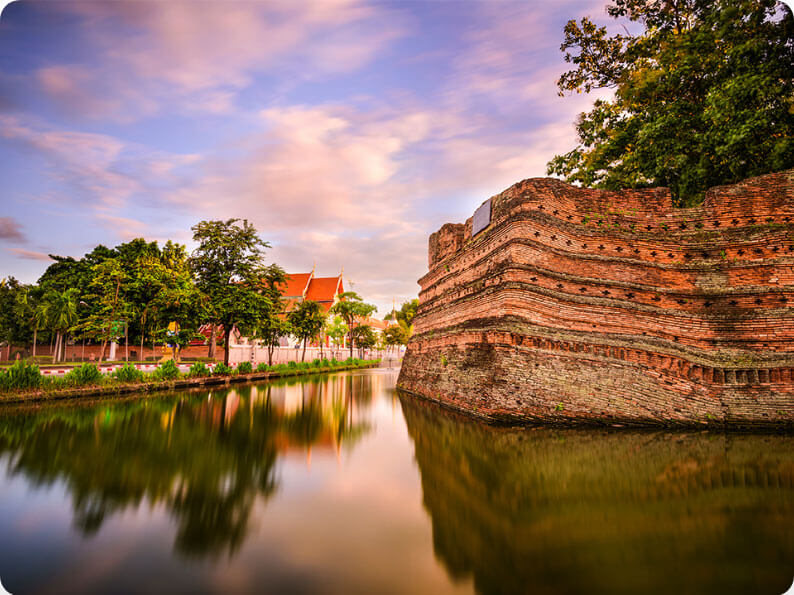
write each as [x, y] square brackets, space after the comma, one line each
[703, 95]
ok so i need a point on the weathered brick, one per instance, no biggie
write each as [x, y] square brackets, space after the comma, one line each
[591, 305]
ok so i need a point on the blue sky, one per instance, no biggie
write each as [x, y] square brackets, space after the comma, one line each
[347, 131]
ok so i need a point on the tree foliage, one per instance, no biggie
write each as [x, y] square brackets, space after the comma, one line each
[306, 321]
[703, 96]
[363, 336]
[352, 309]
[400, 333]
[227, 264]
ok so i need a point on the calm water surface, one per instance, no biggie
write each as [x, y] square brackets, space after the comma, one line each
[337, 484]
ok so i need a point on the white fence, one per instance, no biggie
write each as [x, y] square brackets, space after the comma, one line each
[257, 354]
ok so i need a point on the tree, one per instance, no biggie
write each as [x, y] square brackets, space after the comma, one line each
[272, 326]
[38, 317]
[225, 264]
[404, 329]
[364, 336]
[14, 323]
[395, 335]
[108, 292]
[270, 330]
[306, 320]
[337, 330]
[703, 96]
[62, 310]
[351, 308]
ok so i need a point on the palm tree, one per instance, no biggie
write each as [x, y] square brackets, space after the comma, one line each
[62, 308]
[39, 318]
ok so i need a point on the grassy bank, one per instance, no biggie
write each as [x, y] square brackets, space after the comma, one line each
[24, 382]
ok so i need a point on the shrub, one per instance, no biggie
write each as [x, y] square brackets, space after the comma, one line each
[292, 364]
[263, 367]
[128, 373]
[198, 370]
[82, 375]
[244, 368]
[168, 370]
[222, 370]
[20, 375]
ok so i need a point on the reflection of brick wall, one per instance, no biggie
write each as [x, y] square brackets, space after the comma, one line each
[579, 303]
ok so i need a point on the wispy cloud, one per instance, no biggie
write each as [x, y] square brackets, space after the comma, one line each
[345, 130]
[30, 254]
[103, 171]
[155, 56]
[11, 230]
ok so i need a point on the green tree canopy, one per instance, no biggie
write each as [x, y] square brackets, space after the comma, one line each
[703, 95]
[226, 265]
[337, 329]
[400, 333]
[363, 336]
[306, 321]
[14, 312]
[351, 308]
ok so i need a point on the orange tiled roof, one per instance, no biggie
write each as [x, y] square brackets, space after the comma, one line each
[378, 325]
[324, 289]
[295, 286]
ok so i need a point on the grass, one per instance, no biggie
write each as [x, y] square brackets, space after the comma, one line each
[25, 378]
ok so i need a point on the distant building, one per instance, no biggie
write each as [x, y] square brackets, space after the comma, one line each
[305, 286]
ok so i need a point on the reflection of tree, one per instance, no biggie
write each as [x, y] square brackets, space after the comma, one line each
[551, 511]
[204, 458]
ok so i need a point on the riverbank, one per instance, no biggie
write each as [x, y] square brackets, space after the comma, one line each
[186, 382]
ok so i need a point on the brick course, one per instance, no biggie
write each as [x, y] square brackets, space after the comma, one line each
[578, 305]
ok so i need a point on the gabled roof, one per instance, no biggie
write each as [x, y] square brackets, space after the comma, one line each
[305, 286]
[377, 325]
[324, 289]
[296, 285]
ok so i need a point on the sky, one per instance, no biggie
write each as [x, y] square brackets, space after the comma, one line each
[346, 131]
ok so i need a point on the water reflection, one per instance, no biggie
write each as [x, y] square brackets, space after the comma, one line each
[203, 456]
[334, 485]
[560, 511]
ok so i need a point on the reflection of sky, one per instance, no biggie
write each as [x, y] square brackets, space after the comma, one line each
[345, 130]
[352, 522]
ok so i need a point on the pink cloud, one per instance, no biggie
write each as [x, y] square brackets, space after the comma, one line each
[11, 230]
[30, 255]
[105, 170]
[200, 55]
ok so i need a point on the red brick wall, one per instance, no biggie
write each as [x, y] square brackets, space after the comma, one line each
[580, 304]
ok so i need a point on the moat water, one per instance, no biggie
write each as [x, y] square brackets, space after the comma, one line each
[339, 484]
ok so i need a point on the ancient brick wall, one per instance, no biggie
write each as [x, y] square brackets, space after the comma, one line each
[613, 307]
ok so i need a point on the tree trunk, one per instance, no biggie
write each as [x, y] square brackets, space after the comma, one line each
[102, 351]
[126, 342]
[303, 355]
[213, 339]
[270, 355]
[322, 340]
[56, 355]
[141, 353]
[350, 338]
[227, 336]
[35, 332]
[112, 318]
